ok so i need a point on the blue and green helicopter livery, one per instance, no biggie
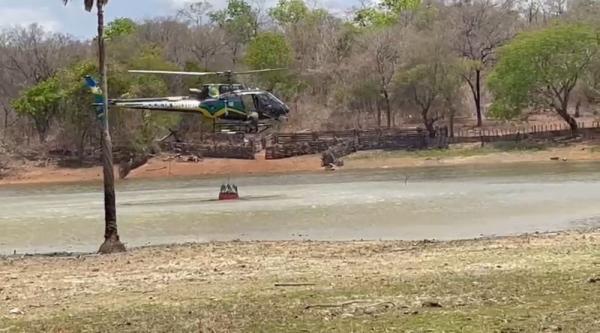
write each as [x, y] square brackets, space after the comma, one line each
[232, 102]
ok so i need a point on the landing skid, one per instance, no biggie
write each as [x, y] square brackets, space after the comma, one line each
[245, 127]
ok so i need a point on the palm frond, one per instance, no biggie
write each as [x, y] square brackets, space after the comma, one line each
[89, 4]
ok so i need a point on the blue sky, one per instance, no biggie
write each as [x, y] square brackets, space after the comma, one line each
[72, 19]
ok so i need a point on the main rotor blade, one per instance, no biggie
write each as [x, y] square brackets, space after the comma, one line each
[207, 73]
[260, 71]
[176, 73]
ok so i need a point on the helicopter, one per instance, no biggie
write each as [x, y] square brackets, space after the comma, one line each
[228, 103]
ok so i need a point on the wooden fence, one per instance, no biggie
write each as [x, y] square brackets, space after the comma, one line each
[285, 145]
[244, 151]
[587, 130]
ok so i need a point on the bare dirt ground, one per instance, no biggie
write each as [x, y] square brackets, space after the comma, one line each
[530, 283]
[164, 168]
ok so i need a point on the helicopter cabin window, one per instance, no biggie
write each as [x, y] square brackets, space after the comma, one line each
[264, 101]
[249, 103]
[224, 89]
[233, 101]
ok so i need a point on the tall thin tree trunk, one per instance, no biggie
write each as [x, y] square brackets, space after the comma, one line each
[112, 243]
[451, 122]
[429, 123]
[388, 108]
[378, 114]
[5, 120]
[478, 97]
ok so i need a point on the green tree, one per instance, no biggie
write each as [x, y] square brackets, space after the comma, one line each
[61, 97]
[541, 69]
[398, 6]
[431, 79]
[385, 14]
[120, 27]
[289, 11]
[240, 21]
[40, 103]
[373, 17]
[78, 121]
[269, 50]
[112, 242]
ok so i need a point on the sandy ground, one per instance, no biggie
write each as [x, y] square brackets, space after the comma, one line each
[541, 283]
[163, 168]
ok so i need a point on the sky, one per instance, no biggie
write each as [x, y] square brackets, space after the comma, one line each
[72, 19]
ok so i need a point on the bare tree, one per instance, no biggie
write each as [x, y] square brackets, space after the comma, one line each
[171, 35]
[206, 42]
[33, 55]
[386, 57]
[430, 78]
[29, 56]
[480, 27]
[194, 13]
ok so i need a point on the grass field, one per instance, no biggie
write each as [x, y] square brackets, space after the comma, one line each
[539, 283]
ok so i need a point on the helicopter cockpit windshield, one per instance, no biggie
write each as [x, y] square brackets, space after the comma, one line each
[271, 105]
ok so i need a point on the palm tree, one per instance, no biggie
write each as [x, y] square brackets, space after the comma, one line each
[112, 243]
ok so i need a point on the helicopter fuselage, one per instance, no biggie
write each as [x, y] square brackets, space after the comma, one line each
[238, 105]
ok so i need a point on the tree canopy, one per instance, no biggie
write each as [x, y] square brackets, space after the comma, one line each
[289, 11]
[386, 13]
[541, 68]
[120, 27]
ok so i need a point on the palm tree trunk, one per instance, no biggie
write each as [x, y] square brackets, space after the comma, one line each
[112, 243]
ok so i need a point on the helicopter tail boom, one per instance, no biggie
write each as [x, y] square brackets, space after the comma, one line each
[177, 104]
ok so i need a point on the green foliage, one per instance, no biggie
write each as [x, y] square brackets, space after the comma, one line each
[399, 6]
[40, 99]
[61, 96]
[540, 68]
[77, 116]
[385, 14]
[373, 17]
[289, 12]
[239, 19]
[430, 85]
[40, 103]
[64, 102]
[120, 27]
[269, 50]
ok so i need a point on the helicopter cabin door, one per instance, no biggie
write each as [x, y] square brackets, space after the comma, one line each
[250, 104]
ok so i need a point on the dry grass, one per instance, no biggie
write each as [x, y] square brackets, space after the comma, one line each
[520, 284]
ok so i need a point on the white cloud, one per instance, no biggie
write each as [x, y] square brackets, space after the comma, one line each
[25, 16]
[333, 5]
[177, 3]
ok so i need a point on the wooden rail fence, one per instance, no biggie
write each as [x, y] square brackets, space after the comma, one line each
[245, 151]
[587, 130]
[285, 145]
